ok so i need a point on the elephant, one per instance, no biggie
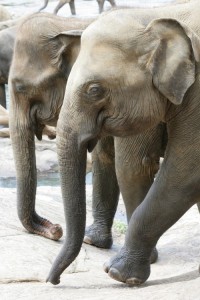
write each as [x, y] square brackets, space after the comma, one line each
[7, 39]
[123, 83]
[33, 106]
[72, 5]
[39, 75]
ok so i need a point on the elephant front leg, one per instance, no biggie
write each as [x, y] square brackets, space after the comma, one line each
[137, 162]
[72, 7]
[61, 3]
[105, 195]
[101, 5]
[164, 204]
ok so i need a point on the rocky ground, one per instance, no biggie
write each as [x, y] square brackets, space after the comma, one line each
[25, 259]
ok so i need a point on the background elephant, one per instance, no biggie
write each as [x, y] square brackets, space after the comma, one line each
[155, 79]
[40, 68]
[6, 42]
[61, 3]
[42, 95]
[7, 39]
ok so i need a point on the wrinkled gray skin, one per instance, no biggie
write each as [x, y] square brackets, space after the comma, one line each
[38, 74]
[61, 3]
[155, 79]
[42, 100]
[7, 39]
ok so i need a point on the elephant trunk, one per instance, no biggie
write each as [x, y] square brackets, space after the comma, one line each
[23, 143]
[72, 163]
[24, 156]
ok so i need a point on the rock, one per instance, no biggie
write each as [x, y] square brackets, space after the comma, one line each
[4, 14]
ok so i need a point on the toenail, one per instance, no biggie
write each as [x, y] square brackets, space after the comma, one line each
[114, 273]
[87, 240]
[134, 281]
[106, 267]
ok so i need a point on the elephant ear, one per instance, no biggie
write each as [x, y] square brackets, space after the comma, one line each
[172, 61]
[61, 45]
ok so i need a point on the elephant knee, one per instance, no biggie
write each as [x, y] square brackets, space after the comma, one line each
[145, 166]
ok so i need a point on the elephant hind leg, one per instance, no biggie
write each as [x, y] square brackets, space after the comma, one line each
[112, 2]
[72, 7]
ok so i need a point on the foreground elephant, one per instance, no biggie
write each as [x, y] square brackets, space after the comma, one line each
[72, 5]
[36, 99]
[123, 83]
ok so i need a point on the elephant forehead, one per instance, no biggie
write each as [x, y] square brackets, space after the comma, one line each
[112, 70]
[108, 59]
[116, 27]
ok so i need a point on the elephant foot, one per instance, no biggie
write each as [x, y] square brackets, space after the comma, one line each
[45, 228]
[98, 236]
[126, 267]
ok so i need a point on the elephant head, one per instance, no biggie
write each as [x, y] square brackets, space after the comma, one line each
[122, 83]
[41, 64]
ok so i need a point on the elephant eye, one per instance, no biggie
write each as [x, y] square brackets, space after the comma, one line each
[95, 91]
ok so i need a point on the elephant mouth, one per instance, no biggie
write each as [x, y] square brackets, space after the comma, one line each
[88, 141]
[91, 144]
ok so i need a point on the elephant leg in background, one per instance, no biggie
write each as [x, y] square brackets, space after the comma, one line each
[62, 3]
[44, 6]
[101, 5]
[72, 7]
[105, 194]
[137, 162]
[112, 3]
[2, 95]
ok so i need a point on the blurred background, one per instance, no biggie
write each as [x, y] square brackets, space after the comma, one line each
[83, 7]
